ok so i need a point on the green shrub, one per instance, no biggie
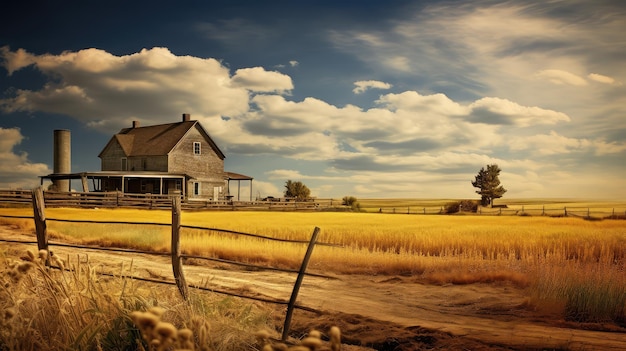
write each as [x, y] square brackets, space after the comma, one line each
[460, 206]
[352, 202]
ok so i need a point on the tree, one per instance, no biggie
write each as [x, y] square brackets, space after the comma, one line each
[489, 184]
[297, 190]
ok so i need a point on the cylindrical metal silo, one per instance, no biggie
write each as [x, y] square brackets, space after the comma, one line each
[62, 158]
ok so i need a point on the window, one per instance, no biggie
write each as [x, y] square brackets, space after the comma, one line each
[124, 164]
[196, 148]
[196, 188]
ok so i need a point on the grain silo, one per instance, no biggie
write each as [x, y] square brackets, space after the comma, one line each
[62, 158]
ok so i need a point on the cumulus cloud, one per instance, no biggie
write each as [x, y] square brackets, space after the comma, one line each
[259, 80]
[18, 172]
[363, 85]
[561, 77]
[107, 91]
[501, 111]
[13, 61]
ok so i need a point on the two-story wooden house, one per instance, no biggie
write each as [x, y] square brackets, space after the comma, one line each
[174, 158]
[165, 159]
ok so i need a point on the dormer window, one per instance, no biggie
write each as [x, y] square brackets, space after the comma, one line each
[196, 148]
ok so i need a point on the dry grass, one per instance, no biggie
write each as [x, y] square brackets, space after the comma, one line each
[56, 309]
[555, 257]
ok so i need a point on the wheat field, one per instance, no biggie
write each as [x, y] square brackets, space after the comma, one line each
[572, 262]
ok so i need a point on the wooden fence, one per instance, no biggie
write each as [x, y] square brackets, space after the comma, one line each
[149, 201]
[39, 202]
[146, 201]
[537, 210]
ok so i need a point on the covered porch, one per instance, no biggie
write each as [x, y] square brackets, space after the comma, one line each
[230, 176]
[160, 183]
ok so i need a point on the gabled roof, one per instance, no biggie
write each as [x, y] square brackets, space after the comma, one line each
[157, 139]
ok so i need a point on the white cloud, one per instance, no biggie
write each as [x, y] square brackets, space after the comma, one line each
[438, 104]
[153, 86]
[294, 63]
[14, 61]
[259, 80]
[363, 85]
[561, 77]
[556, 144]
[501, 111]
[18, 172]
[601, 78]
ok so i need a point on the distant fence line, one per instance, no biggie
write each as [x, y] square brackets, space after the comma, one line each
[147, 201]
[39, 204]
[537, 210]
[151, 201]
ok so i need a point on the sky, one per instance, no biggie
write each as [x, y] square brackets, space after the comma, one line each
[372, 99]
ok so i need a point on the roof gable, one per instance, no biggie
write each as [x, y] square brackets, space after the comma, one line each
[157, 139]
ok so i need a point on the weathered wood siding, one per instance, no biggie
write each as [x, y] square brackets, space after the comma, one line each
[206, 168]
[111, 159]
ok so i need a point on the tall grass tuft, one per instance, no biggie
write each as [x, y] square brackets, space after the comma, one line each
[582, 292]
[70, 307]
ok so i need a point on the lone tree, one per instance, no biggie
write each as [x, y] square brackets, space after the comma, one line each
[297, 190]
[489, 184]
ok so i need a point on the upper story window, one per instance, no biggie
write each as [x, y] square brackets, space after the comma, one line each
[196, 148]
[124, 164]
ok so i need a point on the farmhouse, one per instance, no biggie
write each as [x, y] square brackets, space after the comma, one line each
[173, 158]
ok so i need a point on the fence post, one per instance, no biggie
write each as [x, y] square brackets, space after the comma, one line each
[39, 211]
[296, 287]
[177, 261]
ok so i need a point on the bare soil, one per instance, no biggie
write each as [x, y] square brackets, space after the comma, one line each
[383, 312]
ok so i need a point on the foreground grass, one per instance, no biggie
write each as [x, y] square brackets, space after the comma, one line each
[570, 263]
[56, 309]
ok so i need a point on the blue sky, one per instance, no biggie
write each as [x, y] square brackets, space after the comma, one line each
[382, 99]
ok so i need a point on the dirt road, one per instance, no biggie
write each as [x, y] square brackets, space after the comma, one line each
[387, 313]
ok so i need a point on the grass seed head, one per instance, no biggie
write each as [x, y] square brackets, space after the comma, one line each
[157, 311]
[166, 333]
[185, 339]
[335, 338]
[23, 268]
[43, 255]
[315, 334]
[311, 342]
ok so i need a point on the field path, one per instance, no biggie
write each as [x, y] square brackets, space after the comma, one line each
[484, 313]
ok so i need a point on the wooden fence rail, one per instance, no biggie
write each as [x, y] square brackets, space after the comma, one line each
[39, 205]
[146, 201]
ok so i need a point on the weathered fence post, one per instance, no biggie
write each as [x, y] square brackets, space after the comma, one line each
[177, 261]
[39, 211]
[296, 287]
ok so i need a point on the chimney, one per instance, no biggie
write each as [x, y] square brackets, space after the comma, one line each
[135, 124]
[62, 158]
[186, 117]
